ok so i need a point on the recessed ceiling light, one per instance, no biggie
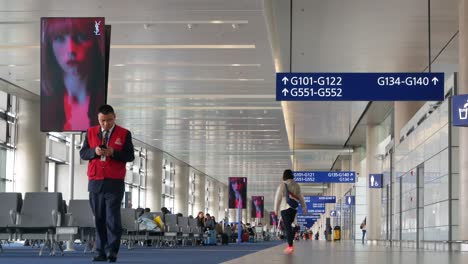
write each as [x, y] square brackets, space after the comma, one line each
[216, 22]
[11, 65]
[119, 65]
[195, 46]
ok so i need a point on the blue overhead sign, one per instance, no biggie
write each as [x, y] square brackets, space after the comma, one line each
[316, 211]
[312, 208]
[316, 204]
[375, 181]
[350, 200]
[301, 86]
[460, 110]
[319, 199]
[307, 220]
[324, 176]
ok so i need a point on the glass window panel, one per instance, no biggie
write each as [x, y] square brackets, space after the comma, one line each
[436, 214]
[3, 101]
[3, 131]
[436, 190]
[143, 199]
[136, 178]
[135, 203]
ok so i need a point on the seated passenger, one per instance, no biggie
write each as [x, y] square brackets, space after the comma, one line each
[219, 229]
[209, 223]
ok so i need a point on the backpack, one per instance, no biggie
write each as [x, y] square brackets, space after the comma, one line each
[291, 202]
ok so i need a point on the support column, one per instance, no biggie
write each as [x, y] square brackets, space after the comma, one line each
[233, 215]
[373, 195]
[225, 201]
[154, 180]
[30, 152]
[361, 200]
[181, 190]
[214, 199]
[345, 166]
[356, 160]
[199, 193]
[463, 132]
[246, 212]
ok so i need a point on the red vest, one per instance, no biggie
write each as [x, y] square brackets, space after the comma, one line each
[109, 169]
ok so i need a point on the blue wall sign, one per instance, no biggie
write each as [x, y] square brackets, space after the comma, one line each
[375, 181]
[333, 213]
[460, 110]
[350, 200]
[301, 86]
[324, 176]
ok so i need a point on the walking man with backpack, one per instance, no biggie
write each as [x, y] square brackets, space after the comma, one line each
[287, 199]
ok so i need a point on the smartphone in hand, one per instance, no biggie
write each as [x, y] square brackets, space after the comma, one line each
[103, 157]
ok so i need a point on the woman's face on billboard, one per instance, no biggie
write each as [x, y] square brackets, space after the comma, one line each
[72, 51]
[237, 185]
[257, 201]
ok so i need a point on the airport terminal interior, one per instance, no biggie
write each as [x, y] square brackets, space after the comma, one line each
[195, 82]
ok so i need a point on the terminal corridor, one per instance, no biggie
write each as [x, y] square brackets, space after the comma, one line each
[234, 131]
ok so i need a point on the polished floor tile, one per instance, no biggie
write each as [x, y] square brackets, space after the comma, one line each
[348, 252]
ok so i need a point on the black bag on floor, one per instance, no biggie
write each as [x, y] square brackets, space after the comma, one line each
[224, 239]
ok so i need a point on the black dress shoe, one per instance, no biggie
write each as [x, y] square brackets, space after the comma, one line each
[112, 257]
[100, 258]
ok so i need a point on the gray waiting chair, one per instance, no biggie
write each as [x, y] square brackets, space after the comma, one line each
[40, 216]
[10, 206]
[185, 231]
[80, 215]
[130, 226]
[171, 229]
[195, 230]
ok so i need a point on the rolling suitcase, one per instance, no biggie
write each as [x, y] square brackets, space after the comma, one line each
[211, 238]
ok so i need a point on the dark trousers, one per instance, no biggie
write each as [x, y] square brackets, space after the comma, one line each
[363, 235]
[288, 216]
[106, 210]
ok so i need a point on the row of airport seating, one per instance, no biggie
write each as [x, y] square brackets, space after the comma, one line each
[37, 217]
[176, 230]
[43, 217]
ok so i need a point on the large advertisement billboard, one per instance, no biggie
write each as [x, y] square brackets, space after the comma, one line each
[257, 207]
[73, 67]
[273, 219]
[237, 192]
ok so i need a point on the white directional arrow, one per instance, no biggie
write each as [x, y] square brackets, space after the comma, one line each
[435, 80]
[285, 91]
[285, 80]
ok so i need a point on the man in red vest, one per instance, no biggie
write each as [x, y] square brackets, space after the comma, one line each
[108, 147]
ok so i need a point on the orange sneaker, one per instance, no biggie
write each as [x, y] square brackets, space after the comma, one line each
[289, 250]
